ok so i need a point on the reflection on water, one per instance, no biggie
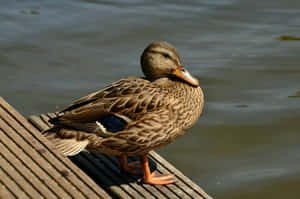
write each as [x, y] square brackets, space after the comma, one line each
[246, 145]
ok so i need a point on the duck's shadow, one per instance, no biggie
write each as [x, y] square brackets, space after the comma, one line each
[104, 169]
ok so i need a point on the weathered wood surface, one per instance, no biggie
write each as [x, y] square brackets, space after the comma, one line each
[30, 167]
[55, 176]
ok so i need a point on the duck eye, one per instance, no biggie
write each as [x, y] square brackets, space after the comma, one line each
[166, 55]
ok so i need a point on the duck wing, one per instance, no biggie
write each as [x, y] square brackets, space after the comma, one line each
[112, 108]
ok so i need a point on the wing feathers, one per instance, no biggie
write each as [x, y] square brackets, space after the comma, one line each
[68, 147]
[128, 99]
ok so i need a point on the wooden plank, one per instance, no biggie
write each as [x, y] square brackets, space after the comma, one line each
[178, 188]
[9, 187]
[75, 176]
[100, 177]
[31, 178]
[32, 159]
[123, 183]
[45, 119]
[122, 178]
[170, 168]
[35, 154]
[157, 191]
[38, 123]
[134, 180]
[174, 188]
[4, 192]
[89, 185]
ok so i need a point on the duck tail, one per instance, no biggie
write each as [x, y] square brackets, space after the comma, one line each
[64, 142]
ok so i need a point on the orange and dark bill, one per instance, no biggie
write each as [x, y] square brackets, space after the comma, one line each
[183, 74]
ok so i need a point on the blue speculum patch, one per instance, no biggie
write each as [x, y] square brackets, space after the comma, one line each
[113, 123]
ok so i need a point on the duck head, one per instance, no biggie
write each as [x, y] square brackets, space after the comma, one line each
[161, 59]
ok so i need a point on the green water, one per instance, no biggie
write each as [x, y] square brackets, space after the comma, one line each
[245, 145]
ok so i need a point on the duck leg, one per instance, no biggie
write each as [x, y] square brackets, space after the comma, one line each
[155, 178]
[129, 167]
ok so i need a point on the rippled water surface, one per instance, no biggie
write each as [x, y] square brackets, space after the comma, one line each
[246, 144]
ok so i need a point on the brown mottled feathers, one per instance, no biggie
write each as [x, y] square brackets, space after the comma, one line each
[131, 97]
[150, 112]
[157, 113]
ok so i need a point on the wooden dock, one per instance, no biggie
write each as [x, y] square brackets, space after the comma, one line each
[30, 167]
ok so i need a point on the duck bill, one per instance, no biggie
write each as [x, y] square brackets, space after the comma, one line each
[186, 76]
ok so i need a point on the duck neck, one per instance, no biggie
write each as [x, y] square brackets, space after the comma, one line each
[192, 99]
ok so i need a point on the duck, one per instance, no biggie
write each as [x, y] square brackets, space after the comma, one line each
[134, 115]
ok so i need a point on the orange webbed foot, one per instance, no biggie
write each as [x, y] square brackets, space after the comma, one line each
[155, 178]
[159, 179]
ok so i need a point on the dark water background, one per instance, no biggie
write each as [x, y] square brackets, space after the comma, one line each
[247, 143]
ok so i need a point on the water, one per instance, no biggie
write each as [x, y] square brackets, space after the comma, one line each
[246, 144]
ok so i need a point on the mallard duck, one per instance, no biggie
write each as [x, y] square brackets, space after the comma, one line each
[133, 115]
